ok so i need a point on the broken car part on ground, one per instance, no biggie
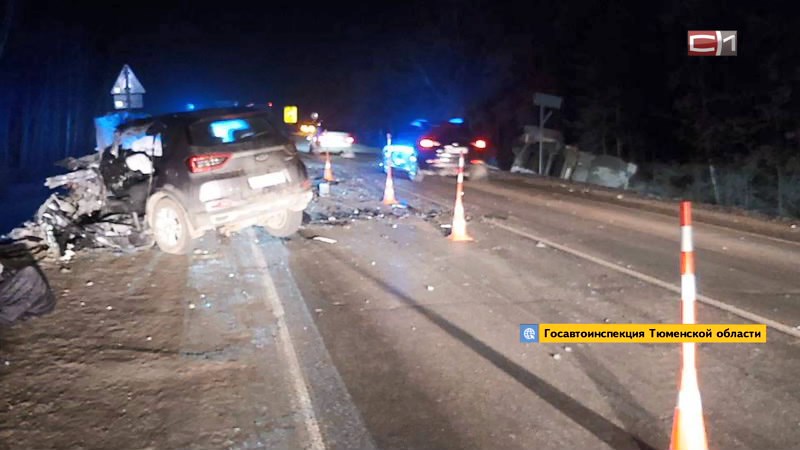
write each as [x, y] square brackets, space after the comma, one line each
[84, 213]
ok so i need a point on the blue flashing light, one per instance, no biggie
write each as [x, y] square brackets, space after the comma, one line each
[224, 129]
[419, 123]
[403, 157]
[190, 106]
[456, 120]
[399, 148]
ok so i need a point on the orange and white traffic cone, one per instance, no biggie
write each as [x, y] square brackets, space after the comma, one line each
[328, 175]
[388, 191]
[459, 227]
[688, 426]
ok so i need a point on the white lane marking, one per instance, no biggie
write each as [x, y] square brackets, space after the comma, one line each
[302, 395]
[638, 275]
[662, 213]
[652, 280]
[424, 197]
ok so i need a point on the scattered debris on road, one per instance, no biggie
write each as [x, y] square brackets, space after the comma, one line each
[324, 189]
[87, 215]
[324, 239]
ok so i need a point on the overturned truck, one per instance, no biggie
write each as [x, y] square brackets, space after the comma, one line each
[566, 161]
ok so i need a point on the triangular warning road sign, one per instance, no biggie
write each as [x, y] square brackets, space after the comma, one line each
[127, 80]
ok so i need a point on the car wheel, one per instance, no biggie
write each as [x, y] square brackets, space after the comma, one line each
[171, 228]
[284, 224]
[416, 176]
[478, 172]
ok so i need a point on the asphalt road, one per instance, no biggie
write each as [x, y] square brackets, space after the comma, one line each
[387, 335]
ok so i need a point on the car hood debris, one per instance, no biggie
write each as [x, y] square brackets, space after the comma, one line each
[88, 209]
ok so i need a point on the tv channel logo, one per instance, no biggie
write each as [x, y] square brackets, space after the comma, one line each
[529, 333]
[713, 43]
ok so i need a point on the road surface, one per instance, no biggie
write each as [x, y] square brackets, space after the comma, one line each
[384, 334]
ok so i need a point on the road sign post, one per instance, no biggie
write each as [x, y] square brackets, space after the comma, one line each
[544, 101]
[127, 92]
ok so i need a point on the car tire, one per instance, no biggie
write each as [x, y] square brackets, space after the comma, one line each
[478, 172]
[417, 176]
[284, 224]
[171, 227]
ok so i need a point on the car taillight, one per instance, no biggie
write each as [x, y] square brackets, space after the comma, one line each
[480, 143]
[349, 139]
[428, 143]
[207, 162]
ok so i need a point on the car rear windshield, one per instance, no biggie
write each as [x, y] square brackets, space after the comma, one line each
[232, 130]
[451, 133]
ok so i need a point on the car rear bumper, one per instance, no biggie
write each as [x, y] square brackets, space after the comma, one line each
[407, 159]
[252, 211]
[441, 166]
[334, 149]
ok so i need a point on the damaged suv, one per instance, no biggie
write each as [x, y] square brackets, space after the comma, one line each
[192, 172]
[186, 173]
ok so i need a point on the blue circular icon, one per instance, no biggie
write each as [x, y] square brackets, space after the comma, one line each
[529, 333]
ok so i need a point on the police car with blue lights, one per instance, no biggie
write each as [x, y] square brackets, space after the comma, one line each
[421, 148]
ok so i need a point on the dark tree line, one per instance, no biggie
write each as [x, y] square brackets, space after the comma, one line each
[725, 129]
[48, 75]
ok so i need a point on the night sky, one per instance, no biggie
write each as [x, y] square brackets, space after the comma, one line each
[287, 52]
[629, 87]
[312, 53]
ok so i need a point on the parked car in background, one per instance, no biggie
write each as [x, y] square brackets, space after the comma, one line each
[331, 142]
[420, 149]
